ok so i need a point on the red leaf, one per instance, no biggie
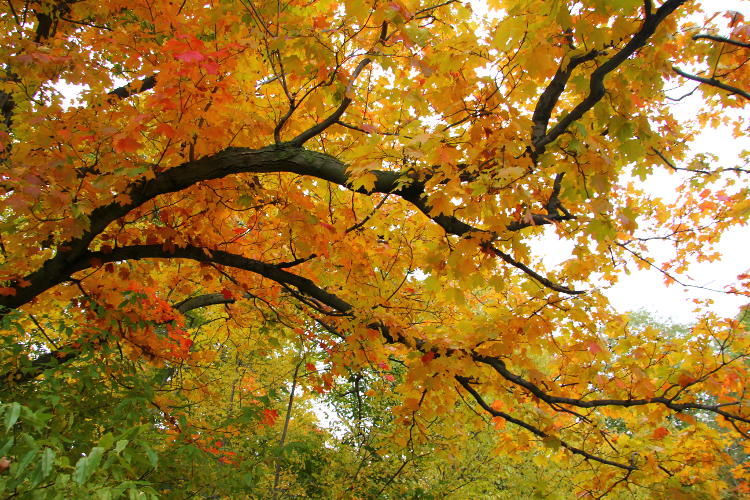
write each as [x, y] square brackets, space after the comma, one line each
[594, 347]
[428, 357]
[127, 145]
[191, 56]
[227, 294]
[660, 433]
[269, 417]
[165, 130]
[211, 67]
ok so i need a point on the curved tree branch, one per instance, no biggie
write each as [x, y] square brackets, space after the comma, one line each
[231, 161]
[596, 84]
[465, 383]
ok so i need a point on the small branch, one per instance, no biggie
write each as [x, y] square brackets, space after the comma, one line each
[358, 129]
[41, 329]
[333, 117]
[722, 39]
[668, 275]
[465, 383]
[500, 367]
[288, 417]
[13, 11]
[713, 82]
[538, 277]
[671, 165]
[368, 216]
[128, 90]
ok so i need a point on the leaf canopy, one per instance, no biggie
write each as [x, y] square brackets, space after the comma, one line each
[221, 219]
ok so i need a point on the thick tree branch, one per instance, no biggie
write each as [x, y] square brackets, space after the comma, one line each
[596, 84]
[270, 271]
[310, 289]
[199, 301]
[300, 285]
[548, 100]
[276, 158]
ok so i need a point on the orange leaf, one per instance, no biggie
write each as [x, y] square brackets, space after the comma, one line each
[127, 145]
[165, 130]
[660, 433]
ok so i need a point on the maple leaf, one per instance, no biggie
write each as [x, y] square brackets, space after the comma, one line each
[190, 56]
[371, 186]
[127, 145]
[660, 433]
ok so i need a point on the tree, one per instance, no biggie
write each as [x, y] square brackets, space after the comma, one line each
[247, 205]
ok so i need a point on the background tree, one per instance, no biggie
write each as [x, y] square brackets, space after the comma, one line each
[250, 204]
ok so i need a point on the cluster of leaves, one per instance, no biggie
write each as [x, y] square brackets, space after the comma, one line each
[248, 212]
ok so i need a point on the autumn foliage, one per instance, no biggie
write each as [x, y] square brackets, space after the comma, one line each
[221, 219]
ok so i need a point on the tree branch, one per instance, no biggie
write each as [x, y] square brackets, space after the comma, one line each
[132, 89]
[713, 82]
[333, 117]
[723, 40]
[499, 366]
[275, 158]
[547, 101]
[465, 383]
[199, 301]
[61, 355]
[596, 84]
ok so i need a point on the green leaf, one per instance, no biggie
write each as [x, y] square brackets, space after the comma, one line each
[12, 412]
[48, 460]
[107, 440]
[24, 462]
[6, 446]
[552, 442]
[43, 468]
[121, 444]
[87, 465]
[152, 456]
